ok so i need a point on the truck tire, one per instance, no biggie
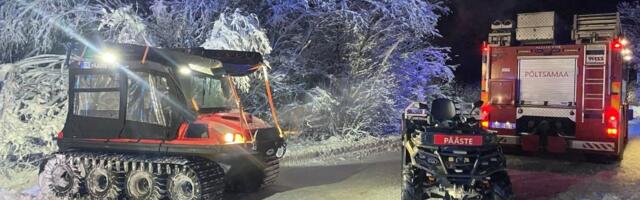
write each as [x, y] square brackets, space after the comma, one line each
[412, 181]
[501, 187]
[58, 179]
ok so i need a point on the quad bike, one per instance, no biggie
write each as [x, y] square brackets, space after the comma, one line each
[448, 156]
[151, 123]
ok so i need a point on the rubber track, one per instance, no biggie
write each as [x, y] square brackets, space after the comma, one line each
[271, 170]
[210, 174]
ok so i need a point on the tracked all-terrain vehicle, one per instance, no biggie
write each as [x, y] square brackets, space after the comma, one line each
[448, 156]
[150, 123]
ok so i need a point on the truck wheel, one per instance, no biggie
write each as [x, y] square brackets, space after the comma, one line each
[501, 187]
[142, 185]
[412, 181]
[58, 179]
[102, 183]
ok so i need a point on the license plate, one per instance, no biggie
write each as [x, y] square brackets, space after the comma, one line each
[457, 140]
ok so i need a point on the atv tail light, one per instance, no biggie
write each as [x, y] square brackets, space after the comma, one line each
[484, 124]
[484, 116]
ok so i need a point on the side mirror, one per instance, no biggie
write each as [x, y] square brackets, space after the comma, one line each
[477, 104]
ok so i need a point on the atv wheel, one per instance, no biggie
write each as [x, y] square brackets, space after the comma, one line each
[501, 187]
[412, 181]
[58, 179]
[102, 183]
[142, 185]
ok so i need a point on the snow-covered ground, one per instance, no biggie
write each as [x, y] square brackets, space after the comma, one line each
[300, 158]
[370, 169]
[335, 149]
[533, 177]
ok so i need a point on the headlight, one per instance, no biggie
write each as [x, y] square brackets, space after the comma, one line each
[233, 138]
[108, 56]
[427, 159]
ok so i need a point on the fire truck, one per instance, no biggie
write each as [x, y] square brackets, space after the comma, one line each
[542, 95]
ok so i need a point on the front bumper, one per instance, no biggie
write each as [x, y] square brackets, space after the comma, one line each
[460, 167]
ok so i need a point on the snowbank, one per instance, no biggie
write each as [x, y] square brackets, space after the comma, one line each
[27, 194]
[303, 153]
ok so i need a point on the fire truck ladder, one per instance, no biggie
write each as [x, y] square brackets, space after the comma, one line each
[593, 89]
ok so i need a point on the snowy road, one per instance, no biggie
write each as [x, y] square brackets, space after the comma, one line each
[533, 177]
[376, 177]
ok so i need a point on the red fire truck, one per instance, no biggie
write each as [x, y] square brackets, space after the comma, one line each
[544, 96]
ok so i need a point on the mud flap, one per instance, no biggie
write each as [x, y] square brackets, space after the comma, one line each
[556, 144]
[530, 143]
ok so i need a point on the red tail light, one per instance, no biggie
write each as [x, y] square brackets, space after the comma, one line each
[611, 116]
[617, 44]
[484, 116]
[60, 135]
[485, 47]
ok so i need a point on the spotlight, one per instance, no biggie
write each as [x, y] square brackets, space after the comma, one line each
[184, 70]
[108, 57]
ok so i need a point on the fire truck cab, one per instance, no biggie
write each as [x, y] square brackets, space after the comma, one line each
[543, 96]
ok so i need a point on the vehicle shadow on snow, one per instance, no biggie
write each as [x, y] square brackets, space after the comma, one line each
[290, 179]
[544, 176]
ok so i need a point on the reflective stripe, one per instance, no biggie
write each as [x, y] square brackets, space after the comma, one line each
[596, 146]
[508, 139]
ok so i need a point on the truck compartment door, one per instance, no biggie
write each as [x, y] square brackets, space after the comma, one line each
[501, 92]
[547, 80]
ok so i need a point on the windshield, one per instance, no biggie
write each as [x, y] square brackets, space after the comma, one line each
[208, 92]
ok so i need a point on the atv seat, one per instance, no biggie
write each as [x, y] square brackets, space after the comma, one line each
[442, 112]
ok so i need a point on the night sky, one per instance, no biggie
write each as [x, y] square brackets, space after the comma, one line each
[468, 24]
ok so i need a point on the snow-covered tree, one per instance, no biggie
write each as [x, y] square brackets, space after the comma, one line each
[337, 67]
[355, 57]
[33, 108]
[630, 17]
